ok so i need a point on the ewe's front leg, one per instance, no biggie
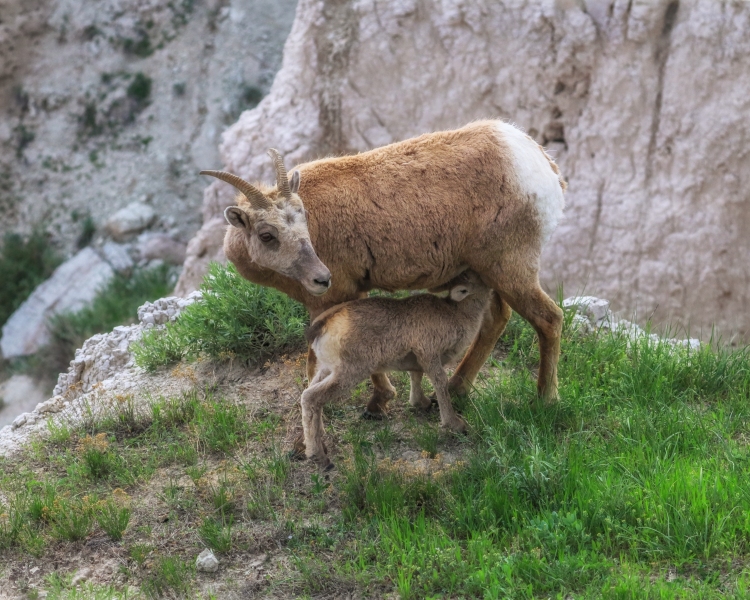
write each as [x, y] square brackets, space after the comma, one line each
[493, 324]
[377, 407]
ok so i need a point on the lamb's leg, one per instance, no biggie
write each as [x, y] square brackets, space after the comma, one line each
[495, 319]
[449, 418]
[313, 398]
[417, 396]
[383, 392]
[312, 364]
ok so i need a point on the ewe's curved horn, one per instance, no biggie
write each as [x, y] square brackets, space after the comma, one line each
[282, 180]
[252, 193]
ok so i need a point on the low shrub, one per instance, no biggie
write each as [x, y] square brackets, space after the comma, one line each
[235, 319]
[113, 515]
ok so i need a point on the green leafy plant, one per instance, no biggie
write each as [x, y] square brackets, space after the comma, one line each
[235, 319]
[171, 576]
[140, 88]
[72, 519]
[113, 516]
[217, 534]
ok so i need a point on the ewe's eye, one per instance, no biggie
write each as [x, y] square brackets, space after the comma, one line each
[266, 237]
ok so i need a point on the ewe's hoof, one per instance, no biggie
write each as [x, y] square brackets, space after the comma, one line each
[457, 425]
[329, 467]
[369, 416]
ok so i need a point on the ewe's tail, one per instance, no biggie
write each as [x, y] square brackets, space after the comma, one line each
[555, 168]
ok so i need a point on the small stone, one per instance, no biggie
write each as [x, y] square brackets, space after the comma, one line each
[81, 576]
[20, 420]
[207, 562]
[34, 570]
[131, 220]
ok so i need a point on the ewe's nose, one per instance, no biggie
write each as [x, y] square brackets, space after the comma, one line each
[323, 281]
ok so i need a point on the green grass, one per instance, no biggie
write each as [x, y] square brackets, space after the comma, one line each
[634, 485]
[24, 264]
[236, 319]
[641, 466]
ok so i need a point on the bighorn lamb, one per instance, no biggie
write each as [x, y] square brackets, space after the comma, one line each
[376, 335]
[411, 215]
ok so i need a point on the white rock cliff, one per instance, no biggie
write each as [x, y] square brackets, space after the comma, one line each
[643, 104]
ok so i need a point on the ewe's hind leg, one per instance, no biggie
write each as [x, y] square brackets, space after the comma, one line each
[377, 407]
[313, 399]
[528, 299]
[449, 418]
[417, 397]
[494, 322]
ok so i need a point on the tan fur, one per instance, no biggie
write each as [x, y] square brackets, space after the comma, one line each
[376, 335]
[412, 215]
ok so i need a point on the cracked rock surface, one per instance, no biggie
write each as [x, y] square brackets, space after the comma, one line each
[107, 103]
[643, 104]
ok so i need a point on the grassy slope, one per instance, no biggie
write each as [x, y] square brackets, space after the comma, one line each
[634, 485]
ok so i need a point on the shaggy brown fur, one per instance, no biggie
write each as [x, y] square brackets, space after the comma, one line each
[375, 335]
[414, 214]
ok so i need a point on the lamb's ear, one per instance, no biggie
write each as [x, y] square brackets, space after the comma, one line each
[459, 292]
[294, 183]
[237, 217]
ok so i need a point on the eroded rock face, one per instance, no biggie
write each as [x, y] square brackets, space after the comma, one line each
[643, 105]
[109, 102]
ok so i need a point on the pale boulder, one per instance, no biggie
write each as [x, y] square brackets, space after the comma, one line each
[71, 286]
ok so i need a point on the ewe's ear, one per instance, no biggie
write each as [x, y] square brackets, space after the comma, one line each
[294, 183]
[237, 217]
[459, 292]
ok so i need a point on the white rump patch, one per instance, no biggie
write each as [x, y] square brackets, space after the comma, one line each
[535, 176]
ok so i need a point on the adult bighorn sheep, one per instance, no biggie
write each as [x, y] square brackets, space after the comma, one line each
[407, 216]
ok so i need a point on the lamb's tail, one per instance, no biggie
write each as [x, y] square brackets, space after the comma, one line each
[315, 329]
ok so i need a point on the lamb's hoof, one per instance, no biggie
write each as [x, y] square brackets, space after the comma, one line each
[298, 449]
[369, 416]
[324, 463]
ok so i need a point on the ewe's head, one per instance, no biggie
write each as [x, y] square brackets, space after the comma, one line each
[273, 226]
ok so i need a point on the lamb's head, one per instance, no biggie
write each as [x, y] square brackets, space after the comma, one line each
[273, 227]
[462, 286]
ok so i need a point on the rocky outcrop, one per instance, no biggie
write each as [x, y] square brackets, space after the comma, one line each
[643, 104]
[109, 102]
[104, 356]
